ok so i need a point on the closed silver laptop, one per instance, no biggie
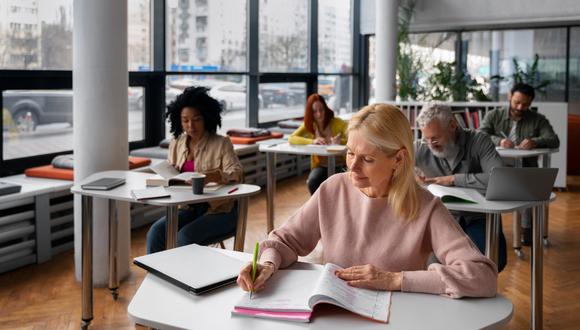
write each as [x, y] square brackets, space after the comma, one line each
[520, 184]
[194, 268]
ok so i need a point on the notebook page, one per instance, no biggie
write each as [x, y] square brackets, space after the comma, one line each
[370, 303]
[286, 291]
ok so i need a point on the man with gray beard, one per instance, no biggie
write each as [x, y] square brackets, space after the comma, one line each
[449, 155]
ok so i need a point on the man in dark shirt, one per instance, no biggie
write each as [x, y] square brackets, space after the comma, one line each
[451, 156]
[520, 127]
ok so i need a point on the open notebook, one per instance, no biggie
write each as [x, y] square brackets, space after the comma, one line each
[454, 194]
[292, 294]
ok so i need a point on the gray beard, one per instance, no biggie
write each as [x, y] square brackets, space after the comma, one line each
[450, 150]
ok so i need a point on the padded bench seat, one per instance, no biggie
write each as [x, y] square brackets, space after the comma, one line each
[51, 172]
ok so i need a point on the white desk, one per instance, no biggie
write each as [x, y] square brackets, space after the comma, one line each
[134, 180]
[493, 211]
[160, 304]
[274, 148]
[517, 155]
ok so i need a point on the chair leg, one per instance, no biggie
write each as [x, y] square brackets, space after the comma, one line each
[222, 245]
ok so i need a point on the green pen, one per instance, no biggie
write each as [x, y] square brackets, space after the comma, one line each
[255, 264]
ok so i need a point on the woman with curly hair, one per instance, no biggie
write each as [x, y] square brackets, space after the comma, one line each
[194, 117]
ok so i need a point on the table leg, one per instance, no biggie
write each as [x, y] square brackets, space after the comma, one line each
[546, 163]
[546, 222]
[87, 261]
[241, 225]
[492, 231]
[271, 188]
[171, 227]
[517, 234]
[331, 165]
[537, 269]
[113, 249]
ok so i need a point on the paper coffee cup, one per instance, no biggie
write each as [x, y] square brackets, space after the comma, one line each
[197, 182]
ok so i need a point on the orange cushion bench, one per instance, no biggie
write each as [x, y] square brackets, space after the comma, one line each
[252, 140]
[51, 172]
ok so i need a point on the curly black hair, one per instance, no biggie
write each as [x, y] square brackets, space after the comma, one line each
[195, 97]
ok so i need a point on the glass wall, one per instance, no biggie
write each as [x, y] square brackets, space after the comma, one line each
[37, 113]
[204, 35]
[36, 35]
[38, 122]
[283, 36]
[229, 90]
[509, 52]
[280, 101]
[428, 49]
[205, 43]
[139, 35]
[574, 82]
[334, 36]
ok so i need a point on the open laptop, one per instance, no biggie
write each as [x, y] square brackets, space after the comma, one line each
[520, 184]
[188, 267]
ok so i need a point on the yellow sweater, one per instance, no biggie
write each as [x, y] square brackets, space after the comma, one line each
[303, 136]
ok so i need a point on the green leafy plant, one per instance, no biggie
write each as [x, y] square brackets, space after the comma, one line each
[450, 83]
[527, 74]
[409, 65]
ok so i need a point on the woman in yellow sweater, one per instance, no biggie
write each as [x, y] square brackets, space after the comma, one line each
[320, 127]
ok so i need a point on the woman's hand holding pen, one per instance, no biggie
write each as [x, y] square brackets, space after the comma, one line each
[264, 272]
[320, 140]
[370, 277]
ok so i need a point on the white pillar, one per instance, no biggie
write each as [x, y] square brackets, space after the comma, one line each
[386, 28]
[100, 138]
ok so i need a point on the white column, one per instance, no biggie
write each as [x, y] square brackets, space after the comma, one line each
[100, 119]
[386, 28]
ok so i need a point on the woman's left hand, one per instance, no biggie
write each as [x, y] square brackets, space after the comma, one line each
[370, 277]
[213, 176]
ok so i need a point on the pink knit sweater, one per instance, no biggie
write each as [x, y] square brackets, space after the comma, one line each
[356, 229]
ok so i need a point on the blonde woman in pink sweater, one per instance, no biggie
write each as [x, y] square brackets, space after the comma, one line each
[378, 223]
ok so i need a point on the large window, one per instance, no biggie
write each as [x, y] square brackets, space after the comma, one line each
[574, 82]
[334, 36]
[203, 35]
[279, 101]
[337, 92]
[229, 90]
[427, 50]
[36, 35]
[283, 35]
[39, 122]
[174, 44]
[492, 53]
[139, 35]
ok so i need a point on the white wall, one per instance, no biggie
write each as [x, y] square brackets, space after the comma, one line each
[431, 15]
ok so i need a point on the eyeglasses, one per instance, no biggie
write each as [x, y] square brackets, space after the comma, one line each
[429, 141]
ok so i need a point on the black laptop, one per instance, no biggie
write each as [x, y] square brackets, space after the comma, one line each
[194, 268]
[103, 184]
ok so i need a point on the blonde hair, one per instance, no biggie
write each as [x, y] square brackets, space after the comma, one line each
[387, 128]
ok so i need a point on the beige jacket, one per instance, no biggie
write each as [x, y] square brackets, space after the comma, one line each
[212, 152]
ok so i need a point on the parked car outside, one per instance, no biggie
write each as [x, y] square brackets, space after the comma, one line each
[286, 94]
[29, 108]
[38, 107]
